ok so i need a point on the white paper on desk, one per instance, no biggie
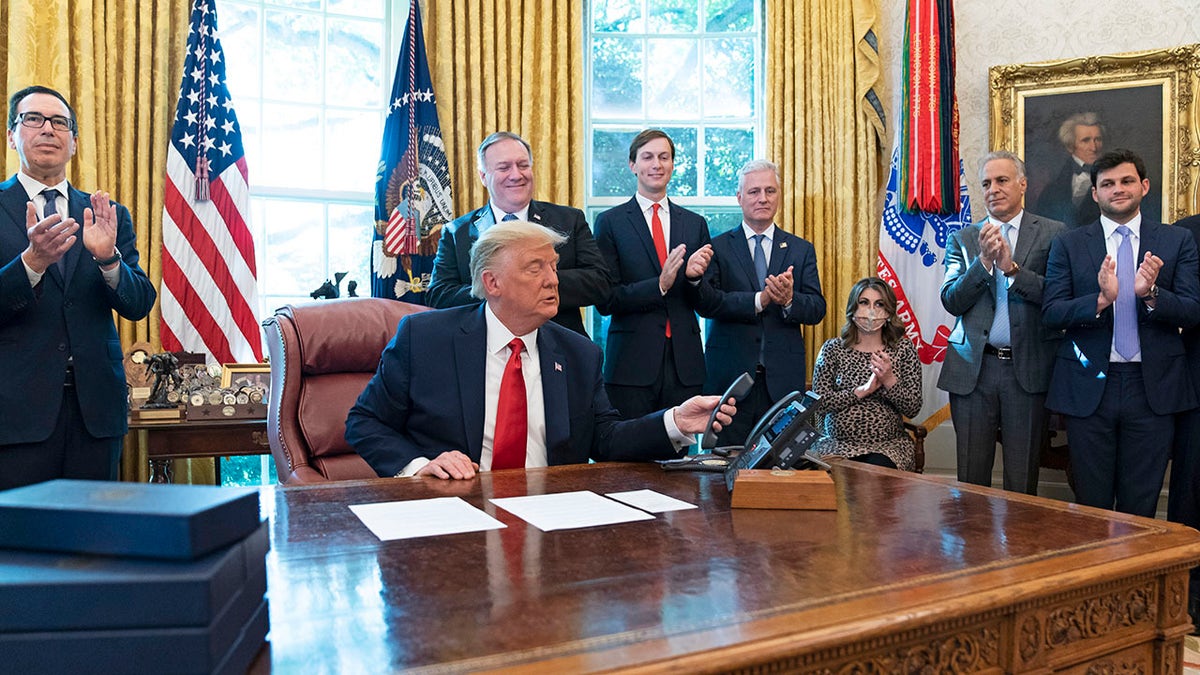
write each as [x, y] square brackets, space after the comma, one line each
[567, 510]
[423, 518]
[649, 500]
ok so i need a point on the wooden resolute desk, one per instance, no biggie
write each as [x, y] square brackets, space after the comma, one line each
[912, 573]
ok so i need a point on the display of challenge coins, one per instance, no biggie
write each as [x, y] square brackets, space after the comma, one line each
[208, 400]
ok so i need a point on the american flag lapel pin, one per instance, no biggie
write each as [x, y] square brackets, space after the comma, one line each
[557, 367]
[538, 217]
[783, 244]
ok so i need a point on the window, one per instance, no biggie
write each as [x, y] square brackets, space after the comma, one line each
[310, 81]
[692, 68]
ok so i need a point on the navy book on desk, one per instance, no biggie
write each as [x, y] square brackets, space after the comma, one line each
[180, 522]
[66, 591]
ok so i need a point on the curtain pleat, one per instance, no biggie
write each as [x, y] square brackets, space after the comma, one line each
[824, 142]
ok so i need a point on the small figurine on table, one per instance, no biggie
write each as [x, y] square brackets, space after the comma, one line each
[165, 369]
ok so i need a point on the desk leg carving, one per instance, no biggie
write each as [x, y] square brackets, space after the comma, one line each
[160, 471]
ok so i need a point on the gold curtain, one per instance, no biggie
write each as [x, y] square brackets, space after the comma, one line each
[513, 65]
[119, 62]
[821, 134]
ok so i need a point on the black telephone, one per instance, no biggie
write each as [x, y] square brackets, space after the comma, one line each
[738, 389]
[780, 438]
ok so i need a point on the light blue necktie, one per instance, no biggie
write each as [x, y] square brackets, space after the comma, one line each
[1001, 333]
[508, 217]
[760, 260]
[1125, 336]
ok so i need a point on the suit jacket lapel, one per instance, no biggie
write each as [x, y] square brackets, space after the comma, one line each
[535, 212]
[1029, 232]
[780, 253]
[13, 200]
[470, 355]
[76, 202]
[637, 223]
[741, 253]
[483, 219]
[1095, 244]
[1148, 240]
[553, 363]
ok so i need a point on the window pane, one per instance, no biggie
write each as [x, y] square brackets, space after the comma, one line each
[726, 150]
[240, 40]
[683, 181]
[349, 164]
[292, 45]
[722, 220]
[292, 154]
[353, 63]
[671, 16]
[611, 176]
[249, 117]
[295, 247]
[729, 15]
[617, 78]
[301, 4]
[350, 230]
[673, 86]
[365, 8]
[729, 77]
[620, 16]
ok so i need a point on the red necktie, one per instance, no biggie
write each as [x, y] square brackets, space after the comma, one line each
[660, 245]
[512, 417]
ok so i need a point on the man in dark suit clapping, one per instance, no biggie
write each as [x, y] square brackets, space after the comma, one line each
[506, 169]
[1122, 287]
[656, 251]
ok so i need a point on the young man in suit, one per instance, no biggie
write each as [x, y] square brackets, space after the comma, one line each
[760, 286]
[506, 169]
[500, 386]
[64, 383]
[1122, 288]
[655, 251]
[997, 368]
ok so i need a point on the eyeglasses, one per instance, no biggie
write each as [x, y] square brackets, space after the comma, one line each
[36, 120]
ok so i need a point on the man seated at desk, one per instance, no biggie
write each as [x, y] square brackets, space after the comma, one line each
[498, 387]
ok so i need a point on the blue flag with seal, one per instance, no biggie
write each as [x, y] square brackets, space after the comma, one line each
[412, 185]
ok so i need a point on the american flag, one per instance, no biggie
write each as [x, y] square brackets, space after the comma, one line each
[412, 182]
[209, 287]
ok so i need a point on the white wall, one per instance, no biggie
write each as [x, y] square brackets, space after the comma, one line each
[1026, 31]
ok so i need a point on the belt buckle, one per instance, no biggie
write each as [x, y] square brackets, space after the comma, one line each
[1004, 353]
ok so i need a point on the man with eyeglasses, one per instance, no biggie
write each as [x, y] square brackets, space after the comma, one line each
[506, 169]
[68, 260]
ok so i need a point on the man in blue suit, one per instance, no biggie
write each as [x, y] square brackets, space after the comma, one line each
[506, 169]
[1122, 288]
[64, 392]
[760, 287]
[1183, 500]
[652, 358]
[440, 403]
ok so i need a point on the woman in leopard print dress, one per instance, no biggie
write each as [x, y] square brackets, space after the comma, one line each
[869, 379]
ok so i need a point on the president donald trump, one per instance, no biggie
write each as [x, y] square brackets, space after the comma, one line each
[499, 386]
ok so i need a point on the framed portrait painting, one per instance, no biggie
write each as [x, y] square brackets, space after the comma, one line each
[1060, 115]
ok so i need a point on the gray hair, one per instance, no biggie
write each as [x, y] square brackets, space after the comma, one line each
[500, 237]
[1001, 154]
[1066, 131]
[754, 166]
[496, 138]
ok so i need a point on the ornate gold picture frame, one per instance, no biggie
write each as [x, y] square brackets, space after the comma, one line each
[1144, 101]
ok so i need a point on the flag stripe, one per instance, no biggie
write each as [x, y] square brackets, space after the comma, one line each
[210, 281]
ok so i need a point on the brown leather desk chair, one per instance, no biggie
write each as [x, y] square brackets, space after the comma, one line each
[322, 355]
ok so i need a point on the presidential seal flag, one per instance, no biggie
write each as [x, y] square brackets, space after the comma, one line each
[412, 185]
[209, 282]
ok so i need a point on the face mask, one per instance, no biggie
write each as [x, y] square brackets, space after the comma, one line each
[870, 321]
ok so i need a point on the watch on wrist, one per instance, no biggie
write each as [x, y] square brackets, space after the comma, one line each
[116, 256]
[1152, 293]
[1012, 271]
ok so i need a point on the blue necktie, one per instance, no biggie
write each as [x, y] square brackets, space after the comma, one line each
[51, 208]
[1001, 333]
[508, 217]
[1125, 336]
[760, 260]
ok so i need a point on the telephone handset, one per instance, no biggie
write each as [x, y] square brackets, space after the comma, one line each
[780, 438]
[736, 391]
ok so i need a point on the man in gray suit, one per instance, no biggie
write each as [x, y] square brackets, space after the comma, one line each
[997, 369]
